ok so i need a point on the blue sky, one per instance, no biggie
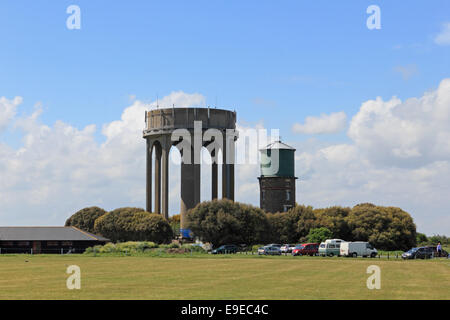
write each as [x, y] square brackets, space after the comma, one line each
[306, 56]
[276, 63]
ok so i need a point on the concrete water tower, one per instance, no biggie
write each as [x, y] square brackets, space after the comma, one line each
[277, 180]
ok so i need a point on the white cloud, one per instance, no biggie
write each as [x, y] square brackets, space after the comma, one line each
[8, 110]
[443, 38]
[331, 123]
[399, 154]
[60, 169]
[404, 134]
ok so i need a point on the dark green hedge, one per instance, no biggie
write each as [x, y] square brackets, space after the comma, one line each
[85, 218]
[226, 222]
[133, 224]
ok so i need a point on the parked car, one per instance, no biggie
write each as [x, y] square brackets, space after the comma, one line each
[310, 249]
[287, 248]
[229, 248]
[444, 254]
[419, 253]
[261, 250]
[358, 248]
[331, 247]
[271, 250]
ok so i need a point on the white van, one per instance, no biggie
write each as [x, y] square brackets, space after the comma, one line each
[358, 248]
[330, 247]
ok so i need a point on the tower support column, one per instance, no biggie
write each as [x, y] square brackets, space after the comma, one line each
[214, 178]
[165, 176]
[149, 176]
[158, 178]
[190, 187]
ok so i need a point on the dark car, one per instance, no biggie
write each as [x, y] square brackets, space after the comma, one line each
[419, 253]
[310, 249]
[228, 248]
[444, 254]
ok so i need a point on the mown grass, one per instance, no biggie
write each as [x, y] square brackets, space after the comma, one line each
[220, 277]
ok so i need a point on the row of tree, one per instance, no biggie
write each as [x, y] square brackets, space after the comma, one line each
[224, 221]
[123, 224]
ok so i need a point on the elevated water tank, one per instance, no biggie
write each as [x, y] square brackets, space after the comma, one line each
[277, 160]
[277, 180]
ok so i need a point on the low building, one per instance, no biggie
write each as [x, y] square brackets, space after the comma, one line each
[36, 240]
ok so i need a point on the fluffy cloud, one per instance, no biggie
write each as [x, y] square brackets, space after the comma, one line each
[8, 110]
[411, 133]
[60, 169]
[398, 154]
[443, 38]
[332, 123]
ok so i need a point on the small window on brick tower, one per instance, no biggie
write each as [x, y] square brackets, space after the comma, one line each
[288, 195]
[263, 194]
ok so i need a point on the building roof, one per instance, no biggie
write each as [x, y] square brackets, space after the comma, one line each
[47, 234]
[278, 145]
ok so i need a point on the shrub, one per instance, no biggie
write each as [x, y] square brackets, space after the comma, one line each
[288, 227]
[256, 247]
[387, 228]
[108, 248]
[224, 222]
[421, 238]
[174, 222]
[85, 218]
[132, 247]
[319, 235]
[133, 224]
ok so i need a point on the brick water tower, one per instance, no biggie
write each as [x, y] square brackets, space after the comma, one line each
[277, 180]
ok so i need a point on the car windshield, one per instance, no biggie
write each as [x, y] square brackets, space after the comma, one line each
[322, 245]
[299, 247]
[413, 250]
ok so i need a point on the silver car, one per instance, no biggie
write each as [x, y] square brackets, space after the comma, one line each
[287, 248]
[272, 250]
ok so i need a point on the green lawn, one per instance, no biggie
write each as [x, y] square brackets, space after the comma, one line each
[231, 277]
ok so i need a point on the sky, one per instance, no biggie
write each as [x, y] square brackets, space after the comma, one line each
[368, 110]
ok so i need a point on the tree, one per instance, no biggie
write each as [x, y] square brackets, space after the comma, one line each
[85, 218]
[307, 220]
[174, 222]
[421, 238]
[227, 222]
[318, 235]
[434, 239]
[133, 224]
[335, 219]
[387, 228]
[284, 226]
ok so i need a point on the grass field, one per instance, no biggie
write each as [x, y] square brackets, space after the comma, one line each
[223, 277]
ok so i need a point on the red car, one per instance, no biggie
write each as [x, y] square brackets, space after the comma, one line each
[311, 249]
